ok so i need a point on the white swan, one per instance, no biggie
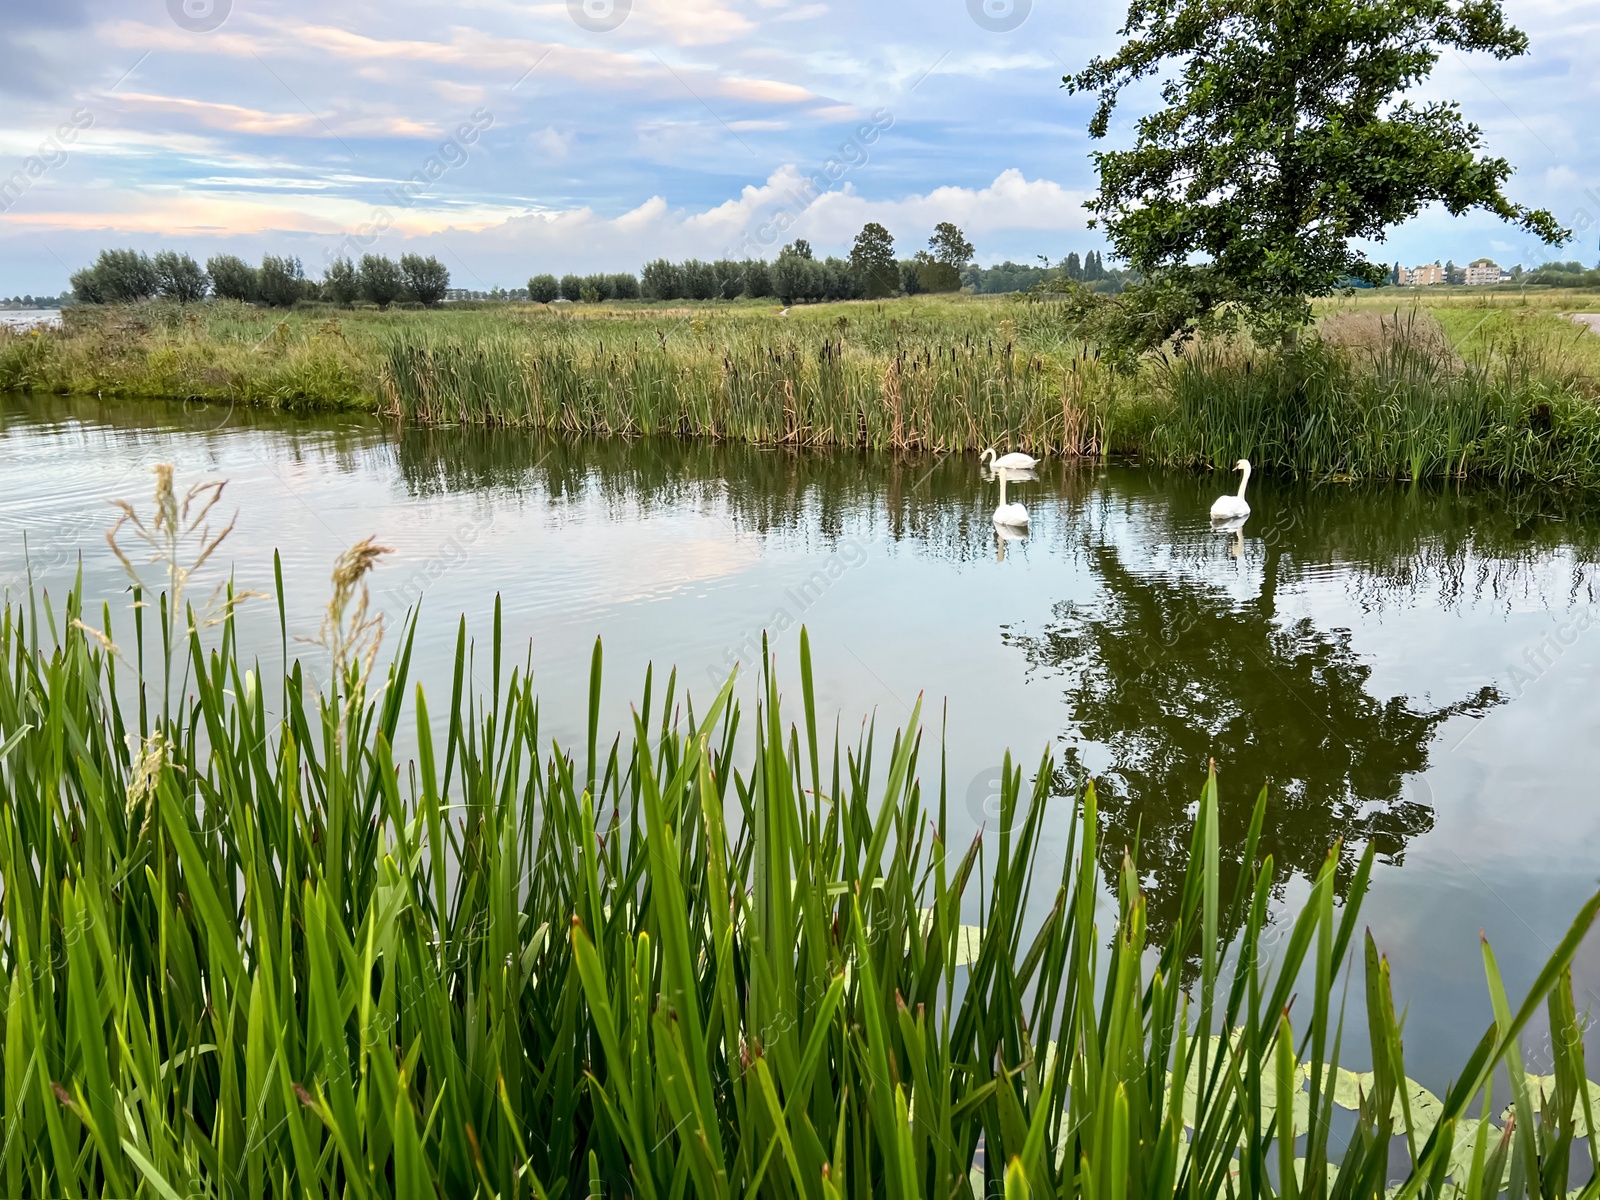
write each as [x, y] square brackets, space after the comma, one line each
[1008, 462]
[1229, 508]
[1009, 515]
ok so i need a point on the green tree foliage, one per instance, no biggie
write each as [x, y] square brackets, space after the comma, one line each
[543, 289]
[797, 277]
[935, 276]
[699, 280]
[1559, 274]
[572, 287]
[757, 278]
[950, 246]
[280, 281]
[1284, 139]
[340, 282]
[730, 278]
[661, 280]
[179, 277]
[597, 288]
[381, 281]
[86, 288]
[426, 279]
[624, 286]
[872, 260]
[232, 278]
[117, 277]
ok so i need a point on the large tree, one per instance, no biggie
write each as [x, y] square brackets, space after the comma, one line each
[179, 277]
[872, 260]
[381, 282]
[1283, 139]
[427, 279]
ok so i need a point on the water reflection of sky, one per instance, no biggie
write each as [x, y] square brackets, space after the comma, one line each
[1391, 604]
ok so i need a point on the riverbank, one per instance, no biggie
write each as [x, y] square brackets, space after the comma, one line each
[1453, 386]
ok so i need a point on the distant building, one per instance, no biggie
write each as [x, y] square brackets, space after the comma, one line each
[1482, 272]
[1428, 273]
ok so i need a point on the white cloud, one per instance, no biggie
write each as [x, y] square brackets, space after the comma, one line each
[554, 143]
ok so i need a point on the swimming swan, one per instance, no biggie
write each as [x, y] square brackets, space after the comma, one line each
[1229, 508]
[1008, 462]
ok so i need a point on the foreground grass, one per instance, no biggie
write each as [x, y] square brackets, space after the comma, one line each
[1399, 385]
[247, 950]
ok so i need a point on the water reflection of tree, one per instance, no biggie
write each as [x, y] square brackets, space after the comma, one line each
[1167, 673]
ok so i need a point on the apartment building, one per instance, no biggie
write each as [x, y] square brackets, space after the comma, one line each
[1482, 272]
[1421, 276]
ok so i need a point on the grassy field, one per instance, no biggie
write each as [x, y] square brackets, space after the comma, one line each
[1399, 384]
[247, 950]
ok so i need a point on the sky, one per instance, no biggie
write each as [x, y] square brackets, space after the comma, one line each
[512, 138]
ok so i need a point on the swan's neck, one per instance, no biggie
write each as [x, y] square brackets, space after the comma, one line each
[988, 455]
[1243, 480]
[1002, 489]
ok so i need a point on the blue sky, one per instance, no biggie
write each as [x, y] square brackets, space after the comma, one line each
[594, 134]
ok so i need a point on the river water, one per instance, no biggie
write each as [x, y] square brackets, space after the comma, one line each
[29, 318]
[1415, 667]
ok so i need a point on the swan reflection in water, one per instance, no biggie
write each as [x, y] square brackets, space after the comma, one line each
[1233, 526]
[1004, 534]
[1011, 516]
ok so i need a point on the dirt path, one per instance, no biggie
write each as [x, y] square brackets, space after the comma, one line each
[1592, 320]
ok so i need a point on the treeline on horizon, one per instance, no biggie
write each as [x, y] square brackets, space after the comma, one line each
[796, 276]
[130, 276]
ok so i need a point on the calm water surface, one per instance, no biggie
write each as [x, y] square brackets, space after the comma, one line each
[29, 318]
[1411, 667]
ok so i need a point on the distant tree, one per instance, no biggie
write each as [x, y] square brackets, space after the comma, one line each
[800, 248]
[1284, 146]
[796, 277]
[340, 282]
[625, 286]
[1454, 274]
[730, 278]
[1073, 267]
[872, 260]
[950, 247]
[935, 276]
[699, 280]
[232, 278]
[86, 288]
[425, 278]
[179, 277]
[661, 280]
[839, 280]
[911, 274]
[381, 281]
[543, 289]
[600, 286]
[280, 281]
[117, 277]
[572, 287]
[757, 278]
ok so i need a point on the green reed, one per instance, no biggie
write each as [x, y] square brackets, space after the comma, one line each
[767, 388]
[247, 948]
[1394, 415]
